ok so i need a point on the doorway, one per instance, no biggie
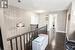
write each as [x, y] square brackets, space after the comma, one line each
[1, 40]
[52, 27]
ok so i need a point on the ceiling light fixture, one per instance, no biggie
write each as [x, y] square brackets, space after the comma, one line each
[40, 11]
[19, 1]
[4, 3]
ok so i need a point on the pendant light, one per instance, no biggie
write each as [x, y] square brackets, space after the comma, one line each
[19, 1]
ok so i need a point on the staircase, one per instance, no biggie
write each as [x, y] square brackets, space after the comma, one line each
[24, 41]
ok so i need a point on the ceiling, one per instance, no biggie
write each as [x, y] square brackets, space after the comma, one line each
[48, 5]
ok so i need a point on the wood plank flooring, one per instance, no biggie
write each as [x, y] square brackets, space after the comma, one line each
[59, 42]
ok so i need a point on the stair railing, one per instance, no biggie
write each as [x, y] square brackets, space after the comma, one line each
[27, 38]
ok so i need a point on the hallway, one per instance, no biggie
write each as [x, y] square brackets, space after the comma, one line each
[18, 17]
[58, 43]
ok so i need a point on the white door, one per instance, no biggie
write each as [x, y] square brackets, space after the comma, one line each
[52, 26]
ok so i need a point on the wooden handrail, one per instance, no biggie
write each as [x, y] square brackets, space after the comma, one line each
[28, 37]
[24, 33]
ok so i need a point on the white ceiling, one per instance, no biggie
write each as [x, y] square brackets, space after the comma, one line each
[48, 5]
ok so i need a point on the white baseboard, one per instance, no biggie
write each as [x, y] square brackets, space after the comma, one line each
[61, 31]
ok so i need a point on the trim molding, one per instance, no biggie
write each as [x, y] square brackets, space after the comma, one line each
[61, 31]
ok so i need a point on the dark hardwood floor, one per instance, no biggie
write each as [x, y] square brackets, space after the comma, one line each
[59, 42]
[72, 36]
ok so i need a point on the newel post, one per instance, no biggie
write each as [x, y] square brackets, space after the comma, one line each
[37, 30]
[46, 28]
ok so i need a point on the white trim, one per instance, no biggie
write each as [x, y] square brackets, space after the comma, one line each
[72, 40]
[61, 31]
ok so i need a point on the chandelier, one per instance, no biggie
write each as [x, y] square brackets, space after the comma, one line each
[4, 3]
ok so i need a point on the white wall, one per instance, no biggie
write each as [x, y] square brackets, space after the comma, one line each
[9, 17]
[3, 28]
[68, 18]
[34, 19]
[42, 20]
[72, 21]
[61, 21]
[12, 17]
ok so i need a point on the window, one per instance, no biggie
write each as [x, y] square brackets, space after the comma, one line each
[34, 19]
